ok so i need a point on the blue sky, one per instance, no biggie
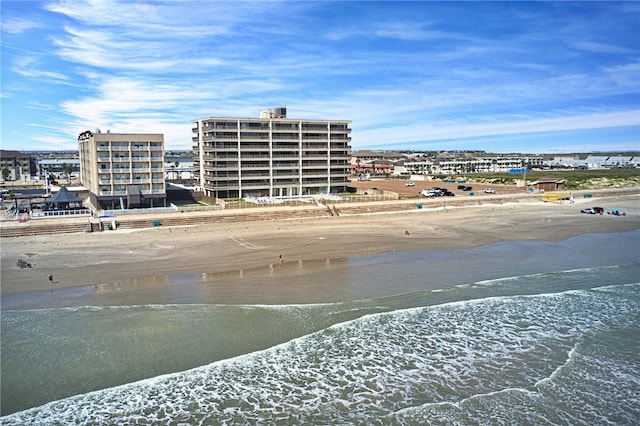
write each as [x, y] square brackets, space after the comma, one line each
[497, 76]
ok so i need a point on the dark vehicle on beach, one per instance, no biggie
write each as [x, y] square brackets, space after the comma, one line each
[467, 188]
[593, 210]
[461, 186]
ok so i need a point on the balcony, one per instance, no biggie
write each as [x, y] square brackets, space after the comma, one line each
[290, 175]
[255, 174]
[215, 137]
[233, 126]
[255, 165]
[285, 127]
[284, 137]
[255, 185]
[311, 146]
[222, 147]
[223, 166]
[314, 127]
[251, 156]
[254, 146]
[285, 168]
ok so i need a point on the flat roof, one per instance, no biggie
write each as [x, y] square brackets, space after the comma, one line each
[271, 119]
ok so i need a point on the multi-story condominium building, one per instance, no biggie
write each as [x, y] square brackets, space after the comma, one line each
[15, 165]
[271, 156]
[469, 165]
[123, 170]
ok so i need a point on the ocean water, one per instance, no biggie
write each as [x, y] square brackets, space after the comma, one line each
[531, 333]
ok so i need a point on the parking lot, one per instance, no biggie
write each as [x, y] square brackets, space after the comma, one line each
[399, 186]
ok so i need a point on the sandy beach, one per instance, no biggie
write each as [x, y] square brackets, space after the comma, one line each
[123, 264]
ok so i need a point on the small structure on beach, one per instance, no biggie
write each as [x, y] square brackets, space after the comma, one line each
[548, 184]
[63, 199]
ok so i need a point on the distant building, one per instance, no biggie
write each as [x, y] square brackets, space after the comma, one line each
[612, 162]
[56, 166]
[178, 168]
[15, 165]
[270, 156]
[123, 170]
[367, 156]
[594, 162]
[452, 166]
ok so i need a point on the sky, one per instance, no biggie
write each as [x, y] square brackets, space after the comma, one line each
[528, 77]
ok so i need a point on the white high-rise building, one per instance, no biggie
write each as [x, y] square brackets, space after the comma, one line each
[271, 156]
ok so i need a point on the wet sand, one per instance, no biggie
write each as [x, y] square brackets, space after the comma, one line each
[239, 262]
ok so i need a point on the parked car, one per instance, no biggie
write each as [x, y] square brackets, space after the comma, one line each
[593, 210]
[462, 187]
[489, 191]
[467, 188]
[409, 184]
[616, 211]
[449, 194]
[431, 192]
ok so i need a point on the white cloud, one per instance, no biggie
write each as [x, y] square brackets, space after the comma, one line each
[27, 67]
[18, 25]
[462, 130]
[405, 72]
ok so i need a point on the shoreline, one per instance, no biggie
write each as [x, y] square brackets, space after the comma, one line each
[242, 258]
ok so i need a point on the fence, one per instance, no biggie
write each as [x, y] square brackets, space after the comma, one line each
[306, 200]
[170, 209]
[61, 213]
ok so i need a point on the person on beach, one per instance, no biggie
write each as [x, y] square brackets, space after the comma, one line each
[51, 279]
[280, 258]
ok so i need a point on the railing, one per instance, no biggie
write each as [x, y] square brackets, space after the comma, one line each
[198, 208]
[60, 213]
[170, 209]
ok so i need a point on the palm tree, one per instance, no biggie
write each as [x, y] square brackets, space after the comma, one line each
[67, 169]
